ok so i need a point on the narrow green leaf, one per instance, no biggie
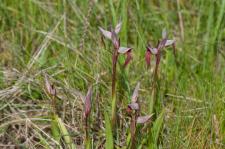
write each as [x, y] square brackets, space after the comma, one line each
[128, 138]
[64, 133]
[113, 11]
[43, 142]
[108, 132]
[157, 125]
[55, 130]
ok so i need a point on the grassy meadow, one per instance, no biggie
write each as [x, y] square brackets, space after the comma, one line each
[59, 42]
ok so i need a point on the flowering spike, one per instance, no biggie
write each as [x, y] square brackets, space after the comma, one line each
[87, 103]
[143, 119]
[106, 33]
[135, 93]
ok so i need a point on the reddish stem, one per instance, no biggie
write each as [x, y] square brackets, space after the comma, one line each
[133, 130]
[157, 64]
[114, 100]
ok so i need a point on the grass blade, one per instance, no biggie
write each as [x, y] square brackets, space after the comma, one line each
[64, 133]
[157, 125]
[109, 135]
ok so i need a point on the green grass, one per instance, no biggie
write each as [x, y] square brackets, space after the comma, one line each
[61, 38]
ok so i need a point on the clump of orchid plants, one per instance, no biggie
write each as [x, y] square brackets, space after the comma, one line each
[133, 110]
[156, 51]
[86, 114]
[113, 36]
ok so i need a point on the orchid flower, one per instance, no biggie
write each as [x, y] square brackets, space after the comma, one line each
[134, 110]
[113, 36]
[134, 106]
[156, 50]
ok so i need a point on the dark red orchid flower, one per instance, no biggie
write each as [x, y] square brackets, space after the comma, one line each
[112, 35]
[150, 51]
[128, 59]
[156, 51]
[127, 51]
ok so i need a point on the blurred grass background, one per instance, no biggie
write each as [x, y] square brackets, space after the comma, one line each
[61, 38]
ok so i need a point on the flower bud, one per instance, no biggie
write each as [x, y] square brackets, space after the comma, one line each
[87, 103]
[49, 87]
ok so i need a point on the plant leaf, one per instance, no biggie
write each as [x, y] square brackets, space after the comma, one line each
[157, 125]
[106, 33]
[109, 135]
[143, 119]
[65, 133]
[55, 130]
[135, 93]
[123, 50]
